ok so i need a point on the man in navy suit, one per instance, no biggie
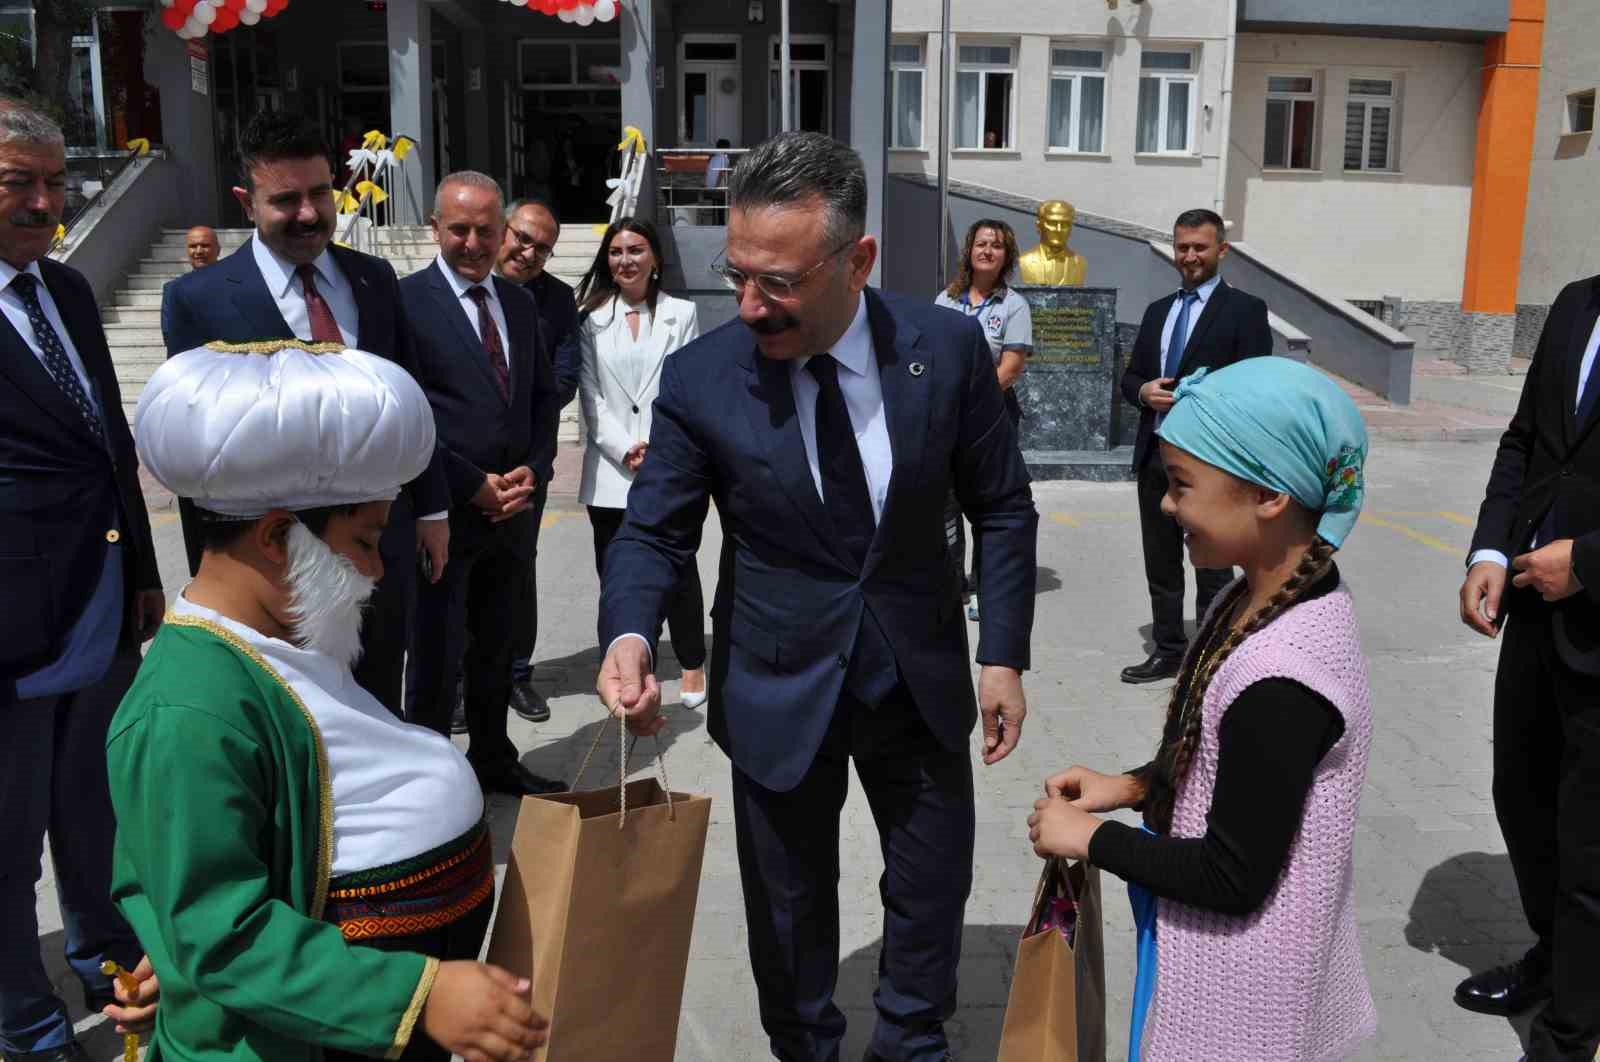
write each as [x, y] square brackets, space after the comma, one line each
[79, 591]
[493, 392]
[829, 423]
[290, 281]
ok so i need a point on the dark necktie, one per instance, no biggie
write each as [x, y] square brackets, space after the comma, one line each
[324, 326]
[55, 352]
[844, 478]
[1180, 333]
[491, 341]
[1548, 532]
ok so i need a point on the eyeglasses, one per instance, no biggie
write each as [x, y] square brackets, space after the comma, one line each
[526, 242]
[775, 287]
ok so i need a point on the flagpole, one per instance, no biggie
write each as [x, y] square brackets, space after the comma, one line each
[944, 143]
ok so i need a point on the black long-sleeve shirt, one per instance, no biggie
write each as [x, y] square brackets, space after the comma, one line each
[1269, 743]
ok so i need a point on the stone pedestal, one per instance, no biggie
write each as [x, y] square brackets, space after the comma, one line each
[1069, 396]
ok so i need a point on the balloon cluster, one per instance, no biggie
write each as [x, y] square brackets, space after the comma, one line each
[195, 18]
[583, 12]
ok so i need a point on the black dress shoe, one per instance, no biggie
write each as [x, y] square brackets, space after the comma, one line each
[71, 1051]
[458, 714]
[517, 780]
[527, 703]
[1155, 669]
[1506, 990]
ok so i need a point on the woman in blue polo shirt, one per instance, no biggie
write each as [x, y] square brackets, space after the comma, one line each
[980, 290]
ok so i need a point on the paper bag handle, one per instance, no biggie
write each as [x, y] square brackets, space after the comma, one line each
[1052, 880]
[625, 753]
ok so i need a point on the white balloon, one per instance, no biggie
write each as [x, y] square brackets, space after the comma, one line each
[166, 3]
[256, 6]
[204, 13]
[194, 26]
[584, 14]
[605, 10]
[567, 14]
[248, 17]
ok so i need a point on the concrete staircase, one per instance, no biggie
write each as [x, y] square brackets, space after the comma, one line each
[133, 320]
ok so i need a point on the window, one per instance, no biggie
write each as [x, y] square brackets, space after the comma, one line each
[568, 64]
[1291, 122]
[1077, 98]
[1166, 102]
[709, 93]
[985, 77]
[905, 87]
[1580, 112]
[1369, 125]
[810, 85]
[363, 66]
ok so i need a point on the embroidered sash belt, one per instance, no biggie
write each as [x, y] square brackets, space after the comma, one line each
[416, 895]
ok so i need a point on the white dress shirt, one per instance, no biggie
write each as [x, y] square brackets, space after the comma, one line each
[398, 790]
[1585, 367]
[287, 291]
[469, 305]
[863, 398]
[11, 304]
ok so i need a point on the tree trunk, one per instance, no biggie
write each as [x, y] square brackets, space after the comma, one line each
[55, 22]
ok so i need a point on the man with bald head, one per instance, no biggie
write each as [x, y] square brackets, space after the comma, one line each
[202, 245]
[532, 230]
[493, 391]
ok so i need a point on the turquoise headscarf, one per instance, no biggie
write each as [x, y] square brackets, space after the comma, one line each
[1281, 425]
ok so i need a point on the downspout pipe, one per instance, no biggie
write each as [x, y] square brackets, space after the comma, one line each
[1225, 129]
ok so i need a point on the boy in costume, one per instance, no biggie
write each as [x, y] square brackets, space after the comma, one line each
[309, 875]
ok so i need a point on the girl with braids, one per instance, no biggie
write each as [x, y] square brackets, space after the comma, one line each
[1241, 878]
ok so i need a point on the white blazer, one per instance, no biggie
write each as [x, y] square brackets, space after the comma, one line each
[618, 416]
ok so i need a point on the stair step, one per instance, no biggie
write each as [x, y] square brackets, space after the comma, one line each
[127, 315]
[161, 271]
[123, 336]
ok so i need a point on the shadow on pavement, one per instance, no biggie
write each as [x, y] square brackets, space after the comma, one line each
[1046, 580]
[988, 955]
[1466, 910]
[97, 1036]
[563, 676]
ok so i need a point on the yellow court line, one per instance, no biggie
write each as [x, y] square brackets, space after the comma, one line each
[1413, 534]
[162, 519]
[1457, 518]
[553, 518]
[1065, 519]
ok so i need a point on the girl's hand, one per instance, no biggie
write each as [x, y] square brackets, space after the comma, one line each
[135, 1012]
[635, 456]
[481, 1013]
[1057, 828]
[1092, 791]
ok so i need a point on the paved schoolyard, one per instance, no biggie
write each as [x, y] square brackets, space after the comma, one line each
[1433, 885]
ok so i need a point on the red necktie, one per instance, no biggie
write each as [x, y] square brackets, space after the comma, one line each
[491, 341]
[324, 326]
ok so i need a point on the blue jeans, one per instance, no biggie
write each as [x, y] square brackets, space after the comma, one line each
[53, 780]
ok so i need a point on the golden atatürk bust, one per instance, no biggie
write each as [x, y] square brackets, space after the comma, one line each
[1053, 263]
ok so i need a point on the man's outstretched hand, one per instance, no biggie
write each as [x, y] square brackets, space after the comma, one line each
[627, 685]
[1003, 707]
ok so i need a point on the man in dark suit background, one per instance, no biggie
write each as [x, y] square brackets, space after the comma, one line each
[1541, 517]
[1205, 325]
[532, 231]
[829, 423]
[492, 389]
[290, 280]
[79, 591]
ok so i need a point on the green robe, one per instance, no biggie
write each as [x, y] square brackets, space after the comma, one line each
[224, 843]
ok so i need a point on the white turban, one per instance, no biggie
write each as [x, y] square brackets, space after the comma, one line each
[243, 429]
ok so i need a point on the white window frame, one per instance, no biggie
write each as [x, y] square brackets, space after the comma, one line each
[1574, 102]
[982, 70]
[1166, 78]
[920, 68]
[1314, 97]
[1077, 75]
[775, 66]
[687, 66]
[1368, 104]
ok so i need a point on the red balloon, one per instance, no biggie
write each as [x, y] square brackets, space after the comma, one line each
[235, 6]
[173, 18]
[185, 6]
[226, 20]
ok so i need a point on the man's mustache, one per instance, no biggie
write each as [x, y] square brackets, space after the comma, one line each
[33, 219]
[295, 228]
[771, 326]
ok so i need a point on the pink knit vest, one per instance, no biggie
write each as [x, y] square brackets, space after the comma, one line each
[1285, 983]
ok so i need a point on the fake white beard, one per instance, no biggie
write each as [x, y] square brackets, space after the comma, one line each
[326, 597]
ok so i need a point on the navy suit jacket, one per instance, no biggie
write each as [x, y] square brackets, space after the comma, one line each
[229, 302]
[789, 597]
[61, 491]
[479, 431]
[558, 332]
[1233, 326]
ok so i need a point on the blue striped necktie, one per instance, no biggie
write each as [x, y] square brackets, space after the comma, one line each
[1180, 333]
[55, 353]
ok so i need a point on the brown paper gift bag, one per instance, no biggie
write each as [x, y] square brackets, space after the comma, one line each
[597, 910]
[1057, 1008]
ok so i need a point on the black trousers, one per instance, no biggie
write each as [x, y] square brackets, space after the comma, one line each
[1163, 565]
[460, 940]
[686, 612]
[1547, 798]
[465, 626]
[386, 627]
[527, 622]
[922, 802]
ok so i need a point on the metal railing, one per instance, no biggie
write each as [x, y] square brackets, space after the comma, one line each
[691, 185]
[90, 172]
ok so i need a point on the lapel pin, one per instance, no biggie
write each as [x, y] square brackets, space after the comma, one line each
[917, 368]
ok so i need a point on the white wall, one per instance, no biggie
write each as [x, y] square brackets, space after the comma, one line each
[1117, 183]
[1560, 240]
[1362, 235]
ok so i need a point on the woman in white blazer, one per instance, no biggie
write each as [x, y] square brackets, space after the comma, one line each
[629, 328]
